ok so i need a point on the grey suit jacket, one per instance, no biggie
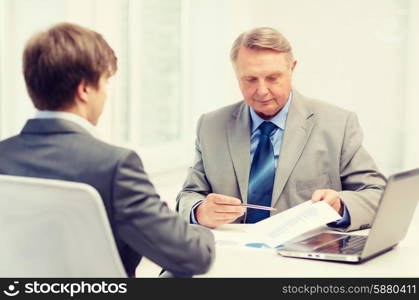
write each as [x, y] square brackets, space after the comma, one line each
[321, 149]
[141, 223]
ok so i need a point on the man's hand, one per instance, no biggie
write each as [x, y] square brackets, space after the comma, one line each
[331, 197]
[218, 209]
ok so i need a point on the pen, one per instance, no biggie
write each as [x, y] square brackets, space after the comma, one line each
[257, 206]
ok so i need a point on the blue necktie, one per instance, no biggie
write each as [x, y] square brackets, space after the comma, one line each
[262, 175]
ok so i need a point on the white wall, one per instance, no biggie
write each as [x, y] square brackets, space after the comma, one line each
[358, 54]
[15, 37]
[411, 145]
[20, 20]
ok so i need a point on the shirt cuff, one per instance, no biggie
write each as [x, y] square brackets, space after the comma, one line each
[344, 222]
[193, 219]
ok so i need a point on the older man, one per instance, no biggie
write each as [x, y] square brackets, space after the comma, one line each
[277, 147]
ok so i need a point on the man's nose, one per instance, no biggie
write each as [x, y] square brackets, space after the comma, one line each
[262, 90]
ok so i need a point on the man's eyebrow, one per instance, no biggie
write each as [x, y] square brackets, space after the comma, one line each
[275, 74]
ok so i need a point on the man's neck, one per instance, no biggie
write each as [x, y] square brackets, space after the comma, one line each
[76, 111]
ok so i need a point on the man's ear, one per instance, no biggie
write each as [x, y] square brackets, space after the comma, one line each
[293, 64]
[82, 91]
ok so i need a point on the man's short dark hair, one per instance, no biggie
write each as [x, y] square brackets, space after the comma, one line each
[57, 60]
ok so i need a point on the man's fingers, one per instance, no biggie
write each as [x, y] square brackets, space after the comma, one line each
[233, 209]
[227, 215]
[219, 220]
[329, 197]
[218, 209]
[224, 219]
[237, 214]
[318, 195]
[224, 200]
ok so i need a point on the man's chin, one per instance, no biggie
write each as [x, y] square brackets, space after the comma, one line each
[267, 113]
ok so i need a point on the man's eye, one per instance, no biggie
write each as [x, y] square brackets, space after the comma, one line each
[250, 79]
[272, 78]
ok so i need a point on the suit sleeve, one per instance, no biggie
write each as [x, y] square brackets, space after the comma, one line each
[196, 186]
[362, 183]
[149, 227]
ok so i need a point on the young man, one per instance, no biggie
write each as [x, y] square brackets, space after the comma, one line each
[66, 69]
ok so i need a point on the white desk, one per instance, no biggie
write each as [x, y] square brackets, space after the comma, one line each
[236, 261]
[230, 261]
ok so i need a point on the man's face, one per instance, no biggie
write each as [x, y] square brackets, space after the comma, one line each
[265, 79]
[97, 99]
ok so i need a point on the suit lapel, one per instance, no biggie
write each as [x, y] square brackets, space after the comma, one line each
[297, 131]
[238, 136]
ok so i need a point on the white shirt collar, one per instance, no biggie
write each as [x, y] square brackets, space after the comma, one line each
[279, 119]
[48, 114]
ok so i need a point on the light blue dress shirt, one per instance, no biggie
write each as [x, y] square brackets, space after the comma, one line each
[276, 138]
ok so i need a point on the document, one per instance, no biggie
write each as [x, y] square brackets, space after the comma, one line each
[278, 229]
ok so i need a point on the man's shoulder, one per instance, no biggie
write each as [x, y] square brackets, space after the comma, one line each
[104, 149]
[324, 109]
[80, 144]
[224, 113]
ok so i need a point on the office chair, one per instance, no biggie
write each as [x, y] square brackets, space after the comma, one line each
[54, 228]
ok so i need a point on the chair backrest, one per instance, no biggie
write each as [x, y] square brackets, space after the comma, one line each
[54, 228]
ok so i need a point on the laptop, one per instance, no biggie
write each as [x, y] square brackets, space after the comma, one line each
[395, 211]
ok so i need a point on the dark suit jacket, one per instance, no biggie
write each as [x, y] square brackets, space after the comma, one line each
[141, 223]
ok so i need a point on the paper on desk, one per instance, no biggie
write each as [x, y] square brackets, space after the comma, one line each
[235, 235]
[293, 222]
